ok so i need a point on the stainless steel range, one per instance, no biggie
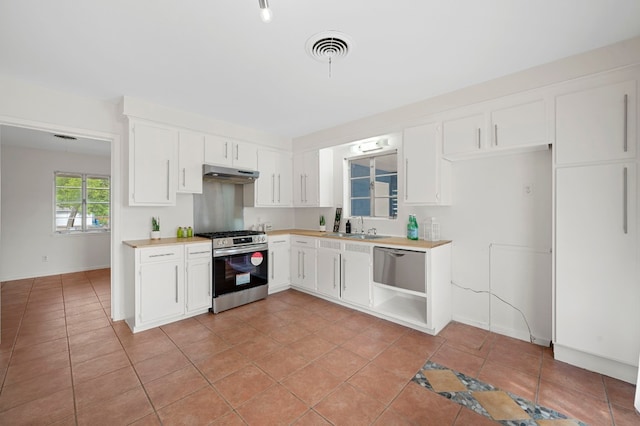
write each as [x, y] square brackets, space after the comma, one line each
[240, 268]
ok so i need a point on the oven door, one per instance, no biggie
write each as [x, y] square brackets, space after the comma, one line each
[239, 268]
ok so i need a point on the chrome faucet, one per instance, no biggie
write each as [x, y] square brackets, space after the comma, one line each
[372, 230]
[361, 225]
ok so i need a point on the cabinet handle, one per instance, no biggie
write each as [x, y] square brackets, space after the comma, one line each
[210, 282]
[478, 138]
[237, 151]
[279, 188]
[176, 283]
[200, 252]
[299, 268]
[626, 118]
[226, 150]
[406, 178]
[273, 260]
[161, 255]
[625, 201]
[301, 187]
[184, 177]
[495, 130]
[168, 176]
[273, 188]
[303, 256]
[186, 279]
[344, 274]
[334, 272]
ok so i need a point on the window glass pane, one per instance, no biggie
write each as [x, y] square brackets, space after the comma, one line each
[360, 168]
[360, 187]
[68, 216]
[70, 208]
[98, 194]
[361, 207]
[386, 164]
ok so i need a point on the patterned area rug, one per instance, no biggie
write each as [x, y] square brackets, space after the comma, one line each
[503, 407]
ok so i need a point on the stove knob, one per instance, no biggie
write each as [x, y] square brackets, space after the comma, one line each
[263, 238]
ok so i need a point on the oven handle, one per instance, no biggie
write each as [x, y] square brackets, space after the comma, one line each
[239, 250]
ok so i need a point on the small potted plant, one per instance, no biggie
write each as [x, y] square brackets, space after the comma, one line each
[323, 226]
[155, 228]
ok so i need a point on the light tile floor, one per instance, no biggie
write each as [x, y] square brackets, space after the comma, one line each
[289, 359]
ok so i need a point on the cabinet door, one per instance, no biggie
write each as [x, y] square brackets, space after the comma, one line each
[303, 267]
[218, 150]
[266, 185]
[298, 180]
[356, 274]
[199, 276]
[190, 160]
[283, 182]
[463, 135]
[152, 169]
[597, 291]
[279, 271]
[161, 293]
[597, 124]
[328, 277]
[520, 125]
[422, 165]
[311, 178]
[245, 156]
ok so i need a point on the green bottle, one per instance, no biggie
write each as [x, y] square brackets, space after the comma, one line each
[412, 228]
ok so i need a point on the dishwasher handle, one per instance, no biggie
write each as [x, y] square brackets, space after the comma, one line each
[393, 252]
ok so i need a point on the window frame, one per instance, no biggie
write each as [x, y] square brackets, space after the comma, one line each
[84, 203]
[372, 179]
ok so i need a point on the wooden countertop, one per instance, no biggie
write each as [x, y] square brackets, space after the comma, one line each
[395, 241]
[165, 242]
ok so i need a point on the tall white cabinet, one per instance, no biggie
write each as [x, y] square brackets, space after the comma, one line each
[597, 291]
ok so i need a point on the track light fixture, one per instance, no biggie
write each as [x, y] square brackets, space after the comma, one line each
[265, 12]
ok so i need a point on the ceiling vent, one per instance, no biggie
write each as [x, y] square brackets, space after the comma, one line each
[328, 46]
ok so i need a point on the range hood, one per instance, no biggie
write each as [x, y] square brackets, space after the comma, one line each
[228, 174]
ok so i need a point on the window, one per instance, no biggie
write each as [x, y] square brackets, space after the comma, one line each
[373, 184]
[82, 203]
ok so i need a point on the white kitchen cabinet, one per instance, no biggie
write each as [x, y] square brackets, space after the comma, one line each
[198, 277]
[521, 125]
[427, 178]
[159, 286]
[303, 262]
[153, 154]
[329, 263]
[273, 188]
[466, 135]
[597, 124]
[280, 257]
[356, 273]
[596, 285]
[313, 179]
[190, 160]
[231, 153]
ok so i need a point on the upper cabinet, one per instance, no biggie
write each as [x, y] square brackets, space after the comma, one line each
[520, 125]
[463, 135]
[273, 188]
[313, 179]
[153, 154]
[501, 126]
[597, 124]
[427, 178]
[190, 159]
[228, 152]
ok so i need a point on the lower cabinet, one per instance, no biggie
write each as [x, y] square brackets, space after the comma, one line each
[198, 271]
[165, 285]
[356, 273]
[279, 269]
[329, 262]
[303, 262]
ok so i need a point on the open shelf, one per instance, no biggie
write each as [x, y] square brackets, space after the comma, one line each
[400, 305]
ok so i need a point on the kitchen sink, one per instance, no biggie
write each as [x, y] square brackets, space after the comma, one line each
[356, 236]
[365, 236]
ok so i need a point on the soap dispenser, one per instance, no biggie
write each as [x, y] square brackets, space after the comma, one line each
[347, 227]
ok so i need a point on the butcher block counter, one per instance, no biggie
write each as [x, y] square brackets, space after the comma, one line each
[393, 241]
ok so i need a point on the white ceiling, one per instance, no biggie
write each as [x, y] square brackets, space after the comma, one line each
[37, 139]
[216, 58]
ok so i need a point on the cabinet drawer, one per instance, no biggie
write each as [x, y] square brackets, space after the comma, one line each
[198, 251]
[303, 241]
[161, 254]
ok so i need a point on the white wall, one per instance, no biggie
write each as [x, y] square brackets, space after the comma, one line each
[27, 216]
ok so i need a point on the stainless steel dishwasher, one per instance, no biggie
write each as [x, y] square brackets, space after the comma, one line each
[400, 268]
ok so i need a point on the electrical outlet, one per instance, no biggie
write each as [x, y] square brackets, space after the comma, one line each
[527, 190]
[45, 258]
